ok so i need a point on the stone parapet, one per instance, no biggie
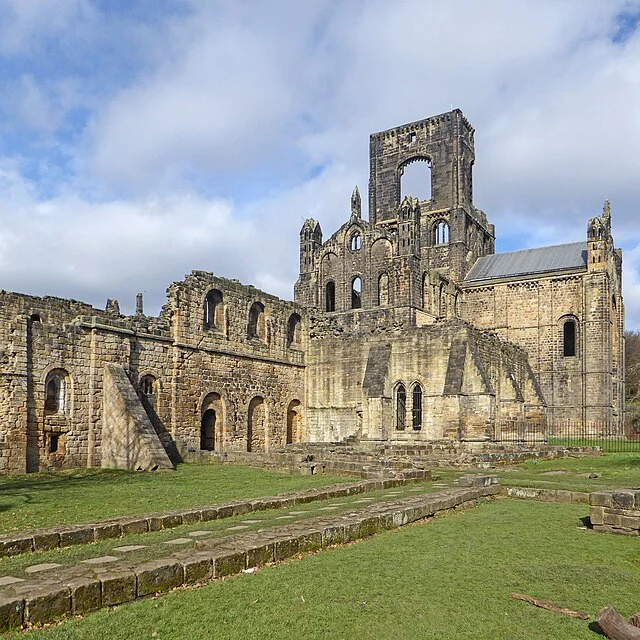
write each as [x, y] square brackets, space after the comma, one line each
[616, 511]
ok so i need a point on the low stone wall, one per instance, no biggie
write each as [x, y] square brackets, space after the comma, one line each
[69, 535]
[76, 591]
[546, 495]
[616, 511]
[383, 459]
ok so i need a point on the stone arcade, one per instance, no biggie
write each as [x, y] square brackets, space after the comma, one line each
[405, 327]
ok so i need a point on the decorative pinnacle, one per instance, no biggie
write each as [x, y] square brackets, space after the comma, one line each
[356, 204]
[606, 210]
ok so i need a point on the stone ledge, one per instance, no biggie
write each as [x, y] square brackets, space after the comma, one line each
[65, 536]
[37, 603]
[546, 495]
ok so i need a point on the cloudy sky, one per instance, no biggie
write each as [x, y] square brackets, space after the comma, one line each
[141, 139]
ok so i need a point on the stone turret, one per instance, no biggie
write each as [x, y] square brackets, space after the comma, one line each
[356, 204]
[599, 239]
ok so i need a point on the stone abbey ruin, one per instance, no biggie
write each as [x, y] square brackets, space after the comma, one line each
[406, 328]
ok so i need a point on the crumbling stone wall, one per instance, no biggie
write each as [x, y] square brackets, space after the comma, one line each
[175, 362]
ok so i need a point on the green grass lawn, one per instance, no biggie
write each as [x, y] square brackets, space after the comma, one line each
[615, 470]
[448, 579]
[86, 495]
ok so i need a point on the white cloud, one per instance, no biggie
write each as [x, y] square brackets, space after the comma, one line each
[232, 122]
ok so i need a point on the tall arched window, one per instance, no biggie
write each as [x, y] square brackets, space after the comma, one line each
[213, 310]
[416, 407]
[425, 292]
[383, 289]
[415, 179]
[356, 241]
[256, 327]
[294, 330]
[442, 303]
[401, 406]
[148, 385]
[293, 422]
[441, 232]
[569, 338]
[256, 425]
[57, 392]
[356, 293]
[330, 296]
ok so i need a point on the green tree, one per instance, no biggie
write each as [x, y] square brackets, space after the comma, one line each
[632, 366]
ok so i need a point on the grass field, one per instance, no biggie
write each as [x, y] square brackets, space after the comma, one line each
[615, 470]
[446, 579]
[86, 495]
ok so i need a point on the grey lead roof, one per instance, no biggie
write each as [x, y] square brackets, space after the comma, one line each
[529, 261]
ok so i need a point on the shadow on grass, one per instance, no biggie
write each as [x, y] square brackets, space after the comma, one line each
[596, 628]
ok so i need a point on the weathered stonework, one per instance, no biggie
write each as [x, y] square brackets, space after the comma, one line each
[616, 511]
[388, 339]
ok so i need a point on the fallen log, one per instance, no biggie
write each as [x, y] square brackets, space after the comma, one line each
[550, 606]
[615, 626]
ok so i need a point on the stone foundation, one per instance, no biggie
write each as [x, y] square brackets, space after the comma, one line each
[616, 511]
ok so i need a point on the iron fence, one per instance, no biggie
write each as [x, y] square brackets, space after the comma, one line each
[610, 438]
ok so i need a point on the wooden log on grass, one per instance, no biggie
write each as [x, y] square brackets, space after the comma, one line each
[615, 626]
[550, 606]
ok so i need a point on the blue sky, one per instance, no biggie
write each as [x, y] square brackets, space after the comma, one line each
[141, 139]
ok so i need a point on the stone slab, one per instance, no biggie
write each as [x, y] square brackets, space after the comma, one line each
[177, 541]
[130, 547]
[101, 560]
[5, 581]
[45, 566]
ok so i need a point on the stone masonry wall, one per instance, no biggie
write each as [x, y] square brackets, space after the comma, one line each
[186, 367]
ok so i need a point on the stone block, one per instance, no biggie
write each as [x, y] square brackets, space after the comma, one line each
[118, 587]
[192, 516]
[630, 522]
[47, 604]
[242, 508]
[564, 496]
[285, 548]
[86, 595]
[133, 526]
[333, 535]
[596, 515]
[197, 567]
[164, 521]
[209, 513]
[158, 575]
[16, 546]
[76, 536]
[46, 540]
[612, 519]
[260, 554]
[106, 531]
[310, 541]
[225, 511]
[11, 612]
[228, 561]
[600, 499]
[623, 499]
